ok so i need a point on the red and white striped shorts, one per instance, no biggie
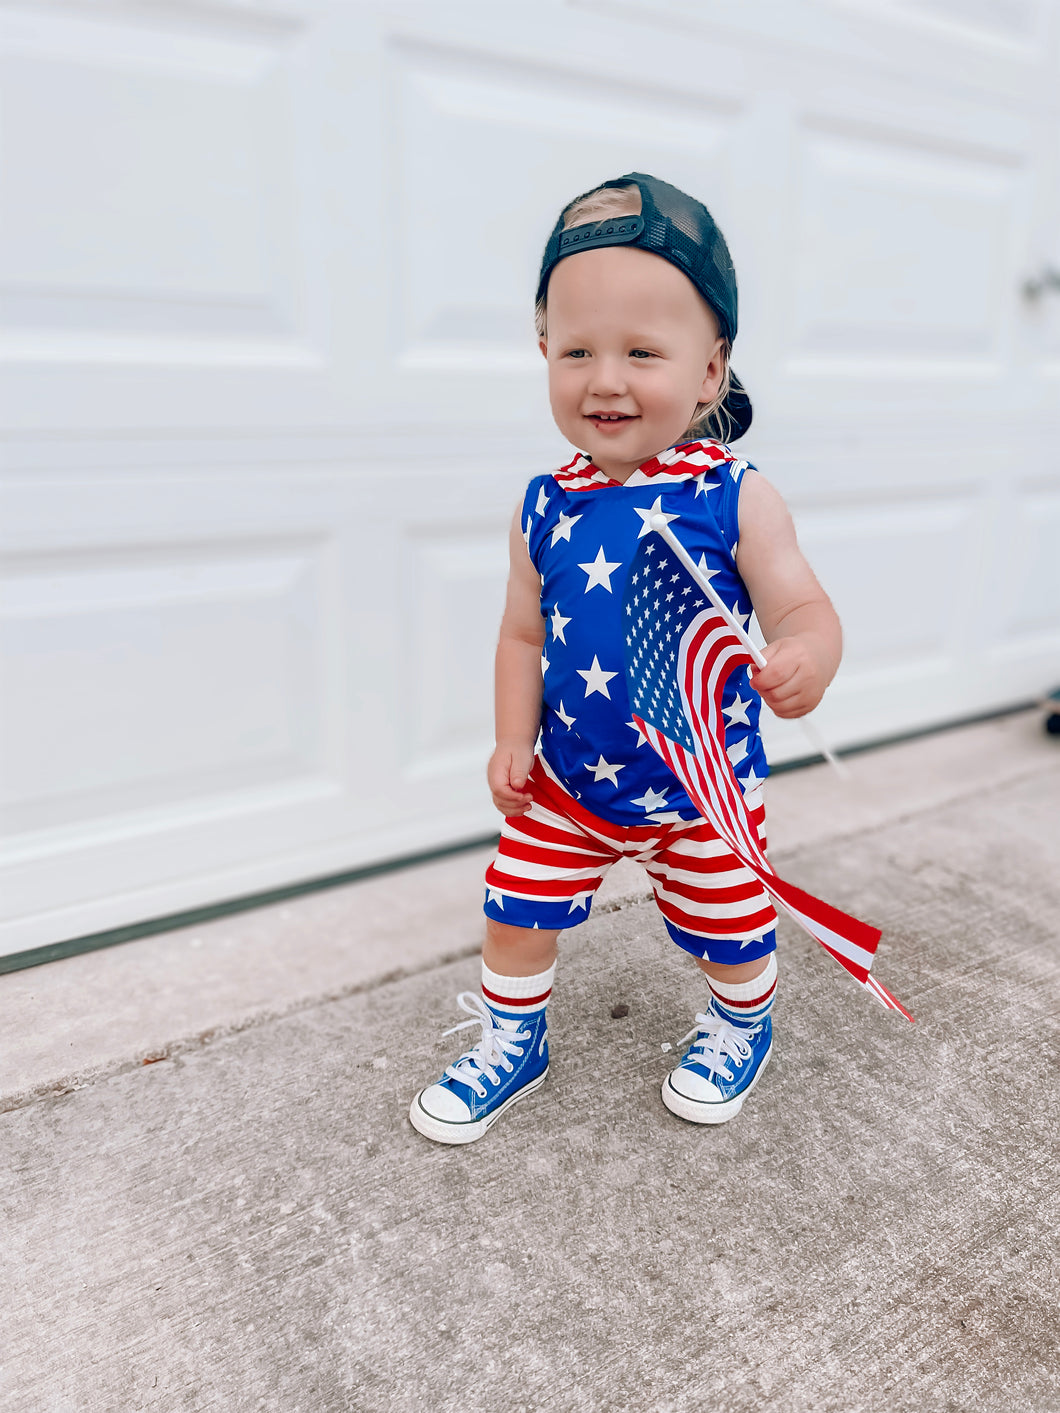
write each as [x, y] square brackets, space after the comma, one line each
[551, 860]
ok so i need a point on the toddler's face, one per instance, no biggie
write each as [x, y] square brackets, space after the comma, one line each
[631, 350]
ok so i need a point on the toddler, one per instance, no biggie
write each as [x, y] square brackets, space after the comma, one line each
[636, 316]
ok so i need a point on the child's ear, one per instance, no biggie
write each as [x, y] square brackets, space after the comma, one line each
[543, 346]
[713, 373]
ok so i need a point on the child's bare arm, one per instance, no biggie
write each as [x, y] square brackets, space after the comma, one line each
[518, 681]
[801, 628]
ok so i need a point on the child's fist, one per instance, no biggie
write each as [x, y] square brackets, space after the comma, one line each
[507, 772]
[794, 677]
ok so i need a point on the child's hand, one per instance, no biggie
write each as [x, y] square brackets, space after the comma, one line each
[507, 773]
[794, 677]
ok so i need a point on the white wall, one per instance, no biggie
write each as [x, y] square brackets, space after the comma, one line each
[270, 390]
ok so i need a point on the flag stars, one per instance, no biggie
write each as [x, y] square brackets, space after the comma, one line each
[642, 740]
[736, 712]
[568, 721]
[648, 515]
[741, 618]
[542, 501]
[564, 525]
[596, 679]
[705, 569]
[600, 571]
[558, 624]
[737, 751]
[603, 771]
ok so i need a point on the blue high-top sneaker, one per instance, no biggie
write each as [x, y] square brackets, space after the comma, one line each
[509, 1062]
[720, 1068]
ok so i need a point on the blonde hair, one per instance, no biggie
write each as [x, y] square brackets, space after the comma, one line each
[710, 419]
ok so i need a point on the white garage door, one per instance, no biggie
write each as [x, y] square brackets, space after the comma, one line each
[270, 391]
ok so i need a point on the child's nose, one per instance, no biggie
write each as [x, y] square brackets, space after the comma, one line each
[608, 376]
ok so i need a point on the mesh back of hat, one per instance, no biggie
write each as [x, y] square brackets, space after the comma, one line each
[671, 224]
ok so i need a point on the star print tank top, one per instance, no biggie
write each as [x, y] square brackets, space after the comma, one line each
[582, 530]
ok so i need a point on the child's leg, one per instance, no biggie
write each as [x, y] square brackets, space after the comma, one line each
[548, 866]
[518, 951]
[510, 1059]
[742, 993]
[716, 909]
[731, 1043]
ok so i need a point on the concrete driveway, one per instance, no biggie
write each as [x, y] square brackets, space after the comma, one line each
[211, 1197]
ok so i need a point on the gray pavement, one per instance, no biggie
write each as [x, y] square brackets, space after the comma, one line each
[248, 1221]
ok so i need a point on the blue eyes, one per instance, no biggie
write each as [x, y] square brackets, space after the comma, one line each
[639, 353]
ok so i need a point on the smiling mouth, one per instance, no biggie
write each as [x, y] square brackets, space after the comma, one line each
[609, 417]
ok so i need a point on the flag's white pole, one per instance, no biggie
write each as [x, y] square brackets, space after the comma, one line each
[660, 525]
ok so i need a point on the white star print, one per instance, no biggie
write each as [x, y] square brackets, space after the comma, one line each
[647, 516]
[596, 679]
[526, 533]
[600, 571]
[568, 721]
[736, 712]
[545, 664]
[579, 901]
[558, 623]
[705, 569]
[751, 781]
[542, 501]
[492, 896]
[651, 800]
[737, 751]
[642, 740]
[741, 618]
[602, 771]
[564, 525]
[702, 479]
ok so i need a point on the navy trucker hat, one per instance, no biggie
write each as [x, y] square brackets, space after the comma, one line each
[680, 229]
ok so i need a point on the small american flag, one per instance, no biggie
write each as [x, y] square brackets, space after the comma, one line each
[675, 679]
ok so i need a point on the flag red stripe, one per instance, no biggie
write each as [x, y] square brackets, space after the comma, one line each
[572, 859]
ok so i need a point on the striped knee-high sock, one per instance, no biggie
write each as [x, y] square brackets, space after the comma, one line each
[512, 998]
[746, 1002]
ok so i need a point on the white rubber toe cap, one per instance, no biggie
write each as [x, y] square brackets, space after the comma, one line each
[441, 1103]
[692, 1085]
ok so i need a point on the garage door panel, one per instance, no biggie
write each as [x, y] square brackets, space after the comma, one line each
[900, 253]
[454, 595]
[147, 200]
[896, 574]
[468, 254]
[272, 391]
[141, 678]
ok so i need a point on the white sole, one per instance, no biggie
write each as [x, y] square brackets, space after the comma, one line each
[698, 1112]
[444, 1131]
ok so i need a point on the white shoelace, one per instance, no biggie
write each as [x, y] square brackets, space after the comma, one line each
[719, 1041]
[491, 1051]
